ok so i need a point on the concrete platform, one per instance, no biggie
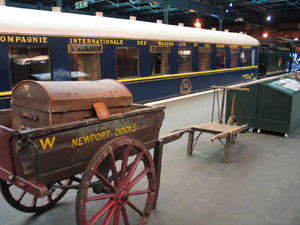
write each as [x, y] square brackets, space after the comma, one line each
[260, 185]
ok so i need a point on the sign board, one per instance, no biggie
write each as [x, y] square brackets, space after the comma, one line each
[81, 4]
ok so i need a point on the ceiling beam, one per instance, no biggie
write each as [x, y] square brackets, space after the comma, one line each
[199, 7]
[38, 5]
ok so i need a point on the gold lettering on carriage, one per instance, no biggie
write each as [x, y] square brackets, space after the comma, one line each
[24, 39]
[141, 42]
[248, 76]
[166, 43]
[96, 41]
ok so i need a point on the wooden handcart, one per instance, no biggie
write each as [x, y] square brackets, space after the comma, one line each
[107, 160]
[38, 166]
[220, 129]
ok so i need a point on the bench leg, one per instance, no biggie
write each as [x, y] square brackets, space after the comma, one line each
[227, 148]
[189, 151]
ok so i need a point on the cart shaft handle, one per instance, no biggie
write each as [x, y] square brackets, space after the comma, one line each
[226, 133]
[173, 136]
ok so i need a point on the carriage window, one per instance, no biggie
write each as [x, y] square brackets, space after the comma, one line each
[127, 62]
[221, 58]
[185, 60]
[235, 53]
[159, 59]
[245, 56]
[85, 62]
[204, 58]
[29, 63]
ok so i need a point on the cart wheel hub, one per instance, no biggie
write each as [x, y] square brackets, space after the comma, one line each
[122, 198]
[125, 197]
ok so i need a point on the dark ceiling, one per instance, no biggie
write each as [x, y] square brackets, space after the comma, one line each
[282, 11]
[220, 14]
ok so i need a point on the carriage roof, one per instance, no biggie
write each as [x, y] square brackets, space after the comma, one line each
[28, 21]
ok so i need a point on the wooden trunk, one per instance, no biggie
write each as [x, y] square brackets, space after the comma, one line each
[47, 103]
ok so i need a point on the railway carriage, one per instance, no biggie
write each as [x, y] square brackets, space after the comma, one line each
[274, 56]
[154, 61]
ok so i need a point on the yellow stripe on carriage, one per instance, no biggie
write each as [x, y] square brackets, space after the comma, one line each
[179, 75]
[5, 98]
[5, 93]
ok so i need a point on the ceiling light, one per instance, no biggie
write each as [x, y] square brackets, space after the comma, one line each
[240, 19]
[265, 35]
[197, 24]
[269, 18]
[230, 4]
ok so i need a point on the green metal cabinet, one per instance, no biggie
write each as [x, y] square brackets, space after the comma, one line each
[278, 107]
[272, 105]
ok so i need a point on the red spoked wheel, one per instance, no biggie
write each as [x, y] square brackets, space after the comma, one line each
[26, 202]
[130, 193]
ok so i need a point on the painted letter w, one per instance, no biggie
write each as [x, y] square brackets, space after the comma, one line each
[47, 142]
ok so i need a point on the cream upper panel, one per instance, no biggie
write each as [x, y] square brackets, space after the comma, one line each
[27, 21]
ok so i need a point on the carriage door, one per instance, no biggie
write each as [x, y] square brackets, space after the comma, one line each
[85, 62]
[235, 54]
[221, 57]
[184, 60]
[204, 58]
[159, 59]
